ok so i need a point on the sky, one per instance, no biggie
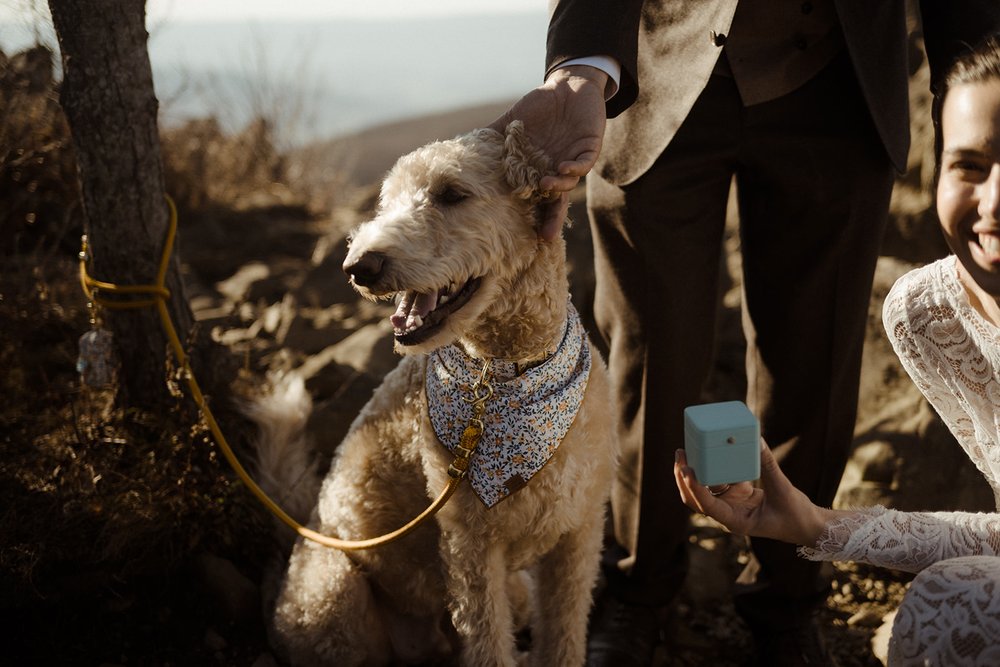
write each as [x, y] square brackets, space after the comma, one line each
[194, 10]
[209, 10]
[350, 63]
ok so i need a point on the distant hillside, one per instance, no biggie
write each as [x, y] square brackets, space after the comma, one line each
[364, 157]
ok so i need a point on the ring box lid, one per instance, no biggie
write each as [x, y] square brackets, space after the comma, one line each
[726, 423]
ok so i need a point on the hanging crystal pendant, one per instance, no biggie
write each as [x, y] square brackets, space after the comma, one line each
[97, 363]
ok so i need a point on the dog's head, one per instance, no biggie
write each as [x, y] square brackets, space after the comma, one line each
[456, 221]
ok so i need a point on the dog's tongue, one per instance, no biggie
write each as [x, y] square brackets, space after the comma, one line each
[411, 306]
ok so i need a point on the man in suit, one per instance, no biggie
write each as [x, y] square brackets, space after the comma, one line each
[804, 104]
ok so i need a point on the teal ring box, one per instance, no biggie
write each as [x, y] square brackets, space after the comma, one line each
[722, 442]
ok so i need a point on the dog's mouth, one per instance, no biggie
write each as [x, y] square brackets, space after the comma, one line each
[419, 315]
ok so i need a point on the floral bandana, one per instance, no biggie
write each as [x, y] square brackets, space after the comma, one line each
[525, 420]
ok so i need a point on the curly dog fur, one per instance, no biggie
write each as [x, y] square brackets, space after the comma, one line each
[457, 590]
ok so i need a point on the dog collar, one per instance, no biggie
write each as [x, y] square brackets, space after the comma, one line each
[526, 419]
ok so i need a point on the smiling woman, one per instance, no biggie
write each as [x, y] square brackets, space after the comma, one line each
[969, 183]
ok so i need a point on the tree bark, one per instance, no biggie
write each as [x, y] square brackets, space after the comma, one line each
[107, 95]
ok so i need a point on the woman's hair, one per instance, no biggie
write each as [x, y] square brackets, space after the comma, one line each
[977, 65]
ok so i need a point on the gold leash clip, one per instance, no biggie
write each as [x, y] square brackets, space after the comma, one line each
[482, 391]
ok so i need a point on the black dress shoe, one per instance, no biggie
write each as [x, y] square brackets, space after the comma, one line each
[800, 645]
[622, 635]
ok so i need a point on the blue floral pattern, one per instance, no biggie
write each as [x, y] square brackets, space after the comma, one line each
[525, 420]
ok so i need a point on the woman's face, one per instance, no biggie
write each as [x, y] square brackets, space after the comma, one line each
[968, 195]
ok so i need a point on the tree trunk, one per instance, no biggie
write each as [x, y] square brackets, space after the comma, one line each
[107, 95]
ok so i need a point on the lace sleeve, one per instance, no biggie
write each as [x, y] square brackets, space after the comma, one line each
[925, 359]
[908, 541]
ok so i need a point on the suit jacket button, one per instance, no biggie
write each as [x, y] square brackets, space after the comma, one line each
[718, 38]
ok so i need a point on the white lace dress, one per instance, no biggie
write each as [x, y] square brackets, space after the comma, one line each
[951, 613]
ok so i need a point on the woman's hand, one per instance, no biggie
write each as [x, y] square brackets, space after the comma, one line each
[775, 509]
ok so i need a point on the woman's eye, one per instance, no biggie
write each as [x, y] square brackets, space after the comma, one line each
[968, 169]
[451, 195]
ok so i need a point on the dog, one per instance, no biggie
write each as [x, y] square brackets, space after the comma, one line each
[455, 240]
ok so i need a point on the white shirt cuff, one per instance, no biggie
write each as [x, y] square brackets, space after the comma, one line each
[606, 64]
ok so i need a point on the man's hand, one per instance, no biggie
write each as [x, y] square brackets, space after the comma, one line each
[564, 117]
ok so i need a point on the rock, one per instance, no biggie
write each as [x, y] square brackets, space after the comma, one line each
[342, 377]
[234, 597]
[284, 278]
[276, 318]
[331, 418]
[306, 335]
[325, 283]
[210, 310]
[867, 617]
[913, 233]
[869, 476]
[367, 350]
[236, 286]
[710, 558]
[880, 639]
[311, 330]
[331, 380]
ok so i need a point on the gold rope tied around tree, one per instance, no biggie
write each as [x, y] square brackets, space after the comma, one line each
[157, 294]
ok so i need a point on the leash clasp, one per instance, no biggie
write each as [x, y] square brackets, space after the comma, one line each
[482, 391]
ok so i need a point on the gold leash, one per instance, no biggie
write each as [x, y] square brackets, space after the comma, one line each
[157, 294]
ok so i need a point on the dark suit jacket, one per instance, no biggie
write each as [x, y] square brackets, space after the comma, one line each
[667, 54]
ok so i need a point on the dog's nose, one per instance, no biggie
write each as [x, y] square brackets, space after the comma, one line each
[366, 269]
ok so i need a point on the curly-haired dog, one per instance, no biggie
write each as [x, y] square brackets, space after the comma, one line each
[455, 240]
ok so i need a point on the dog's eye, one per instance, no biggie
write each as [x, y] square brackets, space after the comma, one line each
[450, 195]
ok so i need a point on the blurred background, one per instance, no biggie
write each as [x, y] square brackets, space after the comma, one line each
[324, 69]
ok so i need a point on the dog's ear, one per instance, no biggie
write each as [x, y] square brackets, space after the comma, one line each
[523, 164]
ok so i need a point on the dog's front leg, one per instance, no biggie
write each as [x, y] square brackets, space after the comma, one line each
[478, 600]
[566, 578]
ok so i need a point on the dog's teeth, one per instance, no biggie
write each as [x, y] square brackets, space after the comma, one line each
[444, 298]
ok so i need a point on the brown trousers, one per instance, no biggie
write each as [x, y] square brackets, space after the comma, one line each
[813, 183]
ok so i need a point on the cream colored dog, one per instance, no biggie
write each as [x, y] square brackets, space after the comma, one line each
[455, 241]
